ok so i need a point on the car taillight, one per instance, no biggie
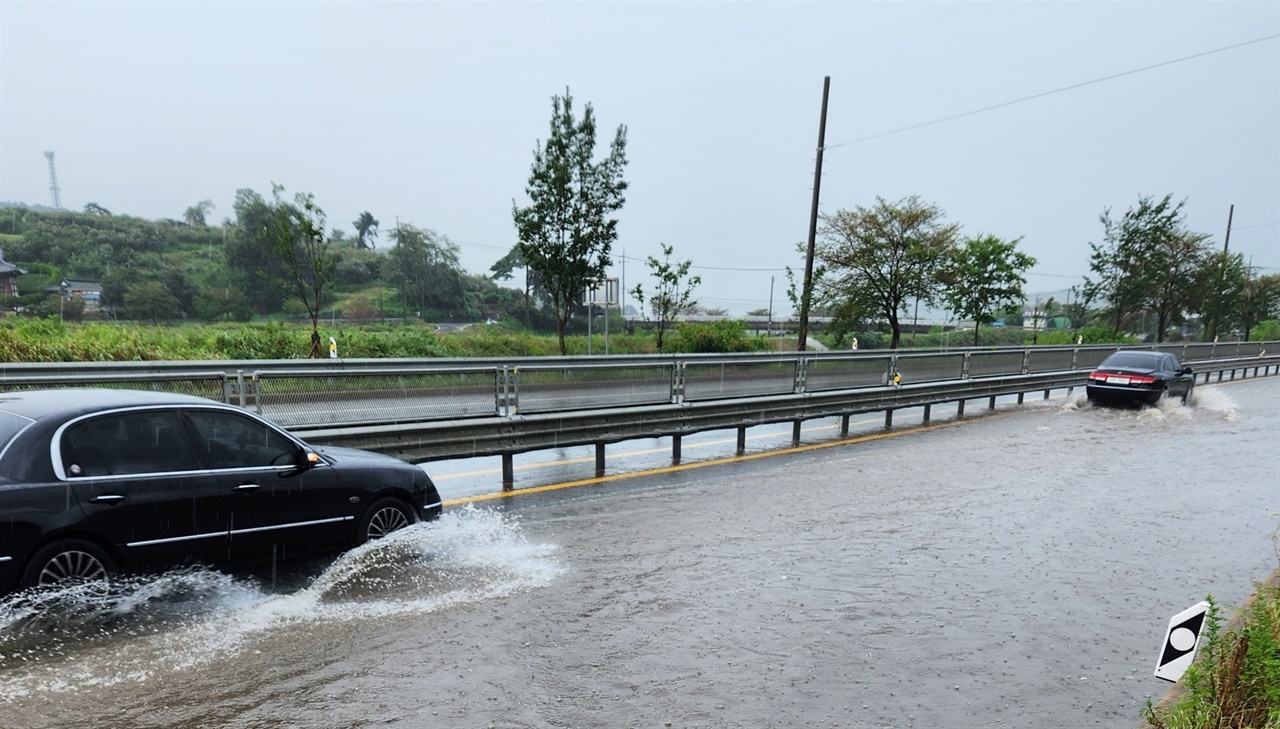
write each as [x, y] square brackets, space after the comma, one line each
[1141, 379]
[1097, 376]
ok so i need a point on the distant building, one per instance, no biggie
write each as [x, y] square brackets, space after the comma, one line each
[9, 274]
[89, 291]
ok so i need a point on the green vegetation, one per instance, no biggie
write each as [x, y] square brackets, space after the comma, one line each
[1235, 680]
[567, 232]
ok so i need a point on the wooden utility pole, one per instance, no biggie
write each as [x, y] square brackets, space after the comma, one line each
[807, 293]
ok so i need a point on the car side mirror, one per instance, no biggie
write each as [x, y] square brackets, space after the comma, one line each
[1186, 369]
[305, 460]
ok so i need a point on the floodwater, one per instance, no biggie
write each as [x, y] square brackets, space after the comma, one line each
[1015, 569]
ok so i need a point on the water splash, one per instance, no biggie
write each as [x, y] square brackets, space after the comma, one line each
[1216, 401]
[56, 641]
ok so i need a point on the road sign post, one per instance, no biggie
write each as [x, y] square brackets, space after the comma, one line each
[1181, 640]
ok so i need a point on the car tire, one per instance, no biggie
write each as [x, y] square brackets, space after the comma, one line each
[68, 560]
[383, 517]
[1186, 396]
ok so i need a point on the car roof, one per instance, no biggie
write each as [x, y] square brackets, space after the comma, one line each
[1151, 353]
[38, 404]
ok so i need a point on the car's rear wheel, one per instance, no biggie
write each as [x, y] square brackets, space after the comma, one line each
[385, 516]
[68, 560]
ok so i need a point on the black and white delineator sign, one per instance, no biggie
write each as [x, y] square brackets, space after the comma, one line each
[1180, 642]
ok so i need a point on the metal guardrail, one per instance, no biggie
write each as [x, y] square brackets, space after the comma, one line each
[422, 410]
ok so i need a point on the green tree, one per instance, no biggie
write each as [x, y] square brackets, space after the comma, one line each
[873, 260]
[249, 254]
[1148, 263]
[566, 234]
[195, 215]
[1261, 301]
[672, 295]
[425, 268]
[151, 300]
[1221, 282]
[366, 229]
[984, 274]
[94, 208]
[296, 237]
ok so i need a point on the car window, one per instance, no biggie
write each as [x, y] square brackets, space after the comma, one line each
[230, 440]
[1136, 360]
[126, 443]
[11, 425]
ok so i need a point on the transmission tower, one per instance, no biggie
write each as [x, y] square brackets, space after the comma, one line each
[53, 182]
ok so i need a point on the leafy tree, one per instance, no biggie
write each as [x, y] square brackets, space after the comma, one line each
[183, 290]
[151, 300]
[425, 268]
[366, 229]
[296, 237]
[94, 208]
[984, 275]
[195, 215]
[673, 294]
[566, 233]
[1146, 264]
[249, 253]
[1261, 301]
[873, 260]
[1221, 282]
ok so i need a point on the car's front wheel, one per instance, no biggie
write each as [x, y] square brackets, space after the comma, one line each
[1186, 396]
[68, 560]
[383, 517]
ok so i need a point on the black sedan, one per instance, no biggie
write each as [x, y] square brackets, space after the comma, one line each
[98, 481]
[1139, 377]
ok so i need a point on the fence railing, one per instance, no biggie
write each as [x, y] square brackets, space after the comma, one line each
[422, 410]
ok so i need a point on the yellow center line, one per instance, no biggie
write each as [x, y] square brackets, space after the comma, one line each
[644, 452]
[703, 464]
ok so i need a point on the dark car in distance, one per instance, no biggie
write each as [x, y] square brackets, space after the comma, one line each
[1132, 377]
[95, 481]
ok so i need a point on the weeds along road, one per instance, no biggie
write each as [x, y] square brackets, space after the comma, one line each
[1011, 570]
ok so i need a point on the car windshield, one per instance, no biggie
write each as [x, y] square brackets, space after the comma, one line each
[11, 425]
[1133, 360]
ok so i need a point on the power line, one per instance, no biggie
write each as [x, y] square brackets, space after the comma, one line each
[1050, 93]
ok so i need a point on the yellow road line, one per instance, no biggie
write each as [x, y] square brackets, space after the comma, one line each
[703, 464]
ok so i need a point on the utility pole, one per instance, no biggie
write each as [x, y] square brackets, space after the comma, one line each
[807, 293]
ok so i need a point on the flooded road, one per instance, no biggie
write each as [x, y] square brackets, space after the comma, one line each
[1016, 569]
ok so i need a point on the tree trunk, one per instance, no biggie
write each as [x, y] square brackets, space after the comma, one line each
[976, 324]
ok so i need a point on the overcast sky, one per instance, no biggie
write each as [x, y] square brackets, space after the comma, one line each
[430, 112]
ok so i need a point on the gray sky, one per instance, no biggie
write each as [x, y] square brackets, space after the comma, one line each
[431, 112]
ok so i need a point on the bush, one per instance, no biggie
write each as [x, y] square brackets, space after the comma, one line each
[1265, 331]
[718, 336]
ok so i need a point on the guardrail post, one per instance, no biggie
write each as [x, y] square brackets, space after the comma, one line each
[508, 471]
[802, 369]
[844, 425]
[240, 386]
[742, 439]
[513, 397]
[677, 382]
[964, 367]
[888, 418]
[675, 448]
[599, 460]
[927, 410]
[795, 432]
[1026, 361]
[960, 409]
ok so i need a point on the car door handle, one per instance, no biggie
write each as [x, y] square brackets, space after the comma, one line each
[107, 499]
[247, 488]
